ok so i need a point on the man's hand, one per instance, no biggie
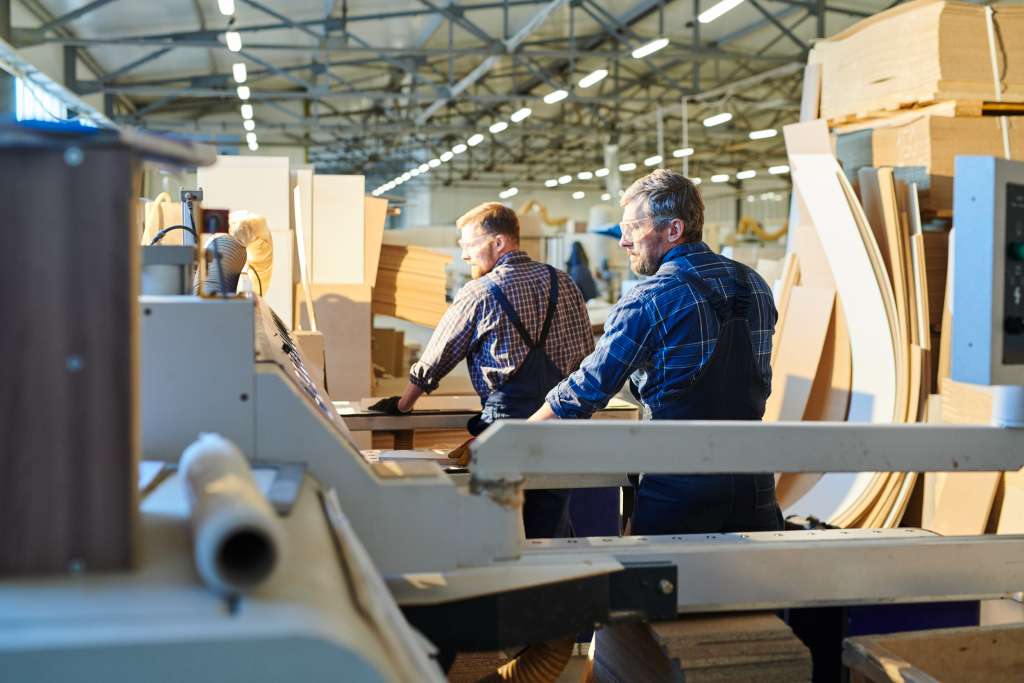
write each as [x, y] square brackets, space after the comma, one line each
[389, 406]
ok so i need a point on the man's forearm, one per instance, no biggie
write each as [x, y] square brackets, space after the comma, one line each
[409, 397]
[543, 413]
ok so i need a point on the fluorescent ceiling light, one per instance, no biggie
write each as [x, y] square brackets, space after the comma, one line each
[763, 134]
[584, 175]
[562, 180]
[249, 124]
[474, 140]
[406, 177]
[696, 181]
[239, 72]
[510, 192]
[551, 182]
[244, 92]
[423, 168]
[627, 167]
[718, 119]
[720, 178]
[593, 78]
[653, 161]
[683, 152]
[250, 138]
[601, 172]
[376, 192]
[446, 157]
[253, 145]
[746, 175]
[579, 194]
[556, 96]
[498, 127]
[226, 7]
[460, 148]
[605, 197]
[521, 114]
[717, 10]
[233, 39]
[778, 170]
[434, 163]
[413, 172]
[246, 111]
[650, 48]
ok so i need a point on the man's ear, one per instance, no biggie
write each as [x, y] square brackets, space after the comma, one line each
[675, 230]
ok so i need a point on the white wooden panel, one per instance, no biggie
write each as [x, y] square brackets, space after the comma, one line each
[257, 184]
[302, 178]
[279, 294]
[338, 231]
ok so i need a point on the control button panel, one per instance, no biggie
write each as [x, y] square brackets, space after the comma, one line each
[1013, 301]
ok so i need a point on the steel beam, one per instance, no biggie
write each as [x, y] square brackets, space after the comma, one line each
[73, 14]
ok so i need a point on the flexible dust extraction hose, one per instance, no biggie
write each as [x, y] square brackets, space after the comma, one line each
[539, 663]
[252, 231]
[225, 258]
[237, 538]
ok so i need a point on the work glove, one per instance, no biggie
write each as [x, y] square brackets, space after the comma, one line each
[389, 406]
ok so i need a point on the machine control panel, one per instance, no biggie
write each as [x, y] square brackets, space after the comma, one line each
[1013, 301]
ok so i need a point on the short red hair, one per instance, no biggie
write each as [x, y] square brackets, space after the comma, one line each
[493, 218]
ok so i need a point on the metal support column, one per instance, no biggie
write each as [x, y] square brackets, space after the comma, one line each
[8, 103]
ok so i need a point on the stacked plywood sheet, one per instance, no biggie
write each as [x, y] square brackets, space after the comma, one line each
[931, 142]
[919, 52]
[411, 284]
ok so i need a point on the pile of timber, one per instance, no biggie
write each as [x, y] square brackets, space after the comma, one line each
[865, 320]
[704, 648]
[920, 52]
[411, 284]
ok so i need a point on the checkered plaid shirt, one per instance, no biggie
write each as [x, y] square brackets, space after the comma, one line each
[662, 332]
[476, 328]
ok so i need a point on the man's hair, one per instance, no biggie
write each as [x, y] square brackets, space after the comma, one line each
[667, 195]
[493, 218]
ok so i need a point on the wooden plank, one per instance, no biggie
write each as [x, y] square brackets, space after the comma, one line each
[1011, 512]
[965, 502]
[252, 183]
[790, 276]
[374, 214]
[338, 235]
[70, 426]
[804, 330]
[302, 217]
[343, 314]
[280, 293]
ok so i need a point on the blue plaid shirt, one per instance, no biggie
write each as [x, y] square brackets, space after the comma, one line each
[662, 332]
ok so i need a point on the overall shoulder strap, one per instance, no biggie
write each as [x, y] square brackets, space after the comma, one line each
[506, 306]
[553, 294]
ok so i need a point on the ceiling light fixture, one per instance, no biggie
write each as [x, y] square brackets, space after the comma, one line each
[696, 181]
[498, 127]
[447, 156]
[585, 175]
[627, 167]
[778, 170]
[249, 124]
[605, 197]
[474, 140]
[579, 194]
[244, 92]
[250, 138]
[601, 172]
[653, 161]
[233, 39]
[717, 10]
[226, 7]
[413, 172]
[683, 152]
[460, 148]
[556, 96]
[763, 134]
[650, 48]
[520, 114]
[551, 182]
[510, 192]
[253, 145]
[746, 175]
[246, 110]
[434, 163]
[720, 178]
[562, 180]
[718, 119]
[423, 168]
[239, 72]
[593, 78]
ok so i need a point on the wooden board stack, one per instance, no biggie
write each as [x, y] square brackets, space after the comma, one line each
[919, 52]
[411, 284]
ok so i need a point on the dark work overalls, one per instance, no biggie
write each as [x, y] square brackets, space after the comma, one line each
[545, 512]
[728, 387]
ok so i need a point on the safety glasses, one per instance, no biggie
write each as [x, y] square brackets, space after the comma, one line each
[469, 244]
[634, 230]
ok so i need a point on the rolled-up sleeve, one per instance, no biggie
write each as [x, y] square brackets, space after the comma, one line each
[450, 343]
[622, 349]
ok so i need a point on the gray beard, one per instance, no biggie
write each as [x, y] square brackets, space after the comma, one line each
[646, 267]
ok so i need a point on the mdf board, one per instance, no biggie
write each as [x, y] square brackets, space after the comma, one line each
[343, 317]
[338, 230]
[280, 293]
[1011, 512]
[808, 315]
[302, 178]
[250, 183]
[69, 432]
[964, 503]
[375, 212]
